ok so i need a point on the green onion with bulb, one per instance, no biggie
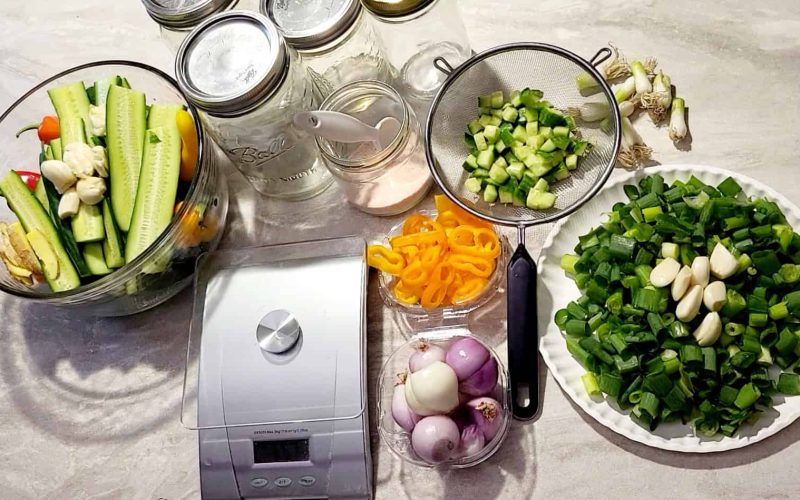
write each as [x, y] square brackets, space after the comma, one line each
[634, 151]
[677, 120]
[641, 78]
[658, 101]
[615, 67]
[626, 90]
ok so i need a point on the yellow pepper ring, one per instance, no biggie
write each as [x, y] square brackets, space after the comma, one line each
[384, 259]
[469, 290]
[473, 265]
[414, 274]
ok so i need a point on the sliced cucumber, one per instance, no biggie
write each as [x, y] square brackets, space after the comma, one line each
[41, 195]
[100, 90]
[71, 102]
[57, 148]
[163, 115]
[158, 187]
[113, 249]
[125, 130]
[64, 231]
[87, 224]
[32, 216]
[93, 254]
[72, 130]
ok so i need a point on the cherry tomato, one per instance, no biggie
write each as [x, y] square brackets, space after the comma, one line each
[29, 178]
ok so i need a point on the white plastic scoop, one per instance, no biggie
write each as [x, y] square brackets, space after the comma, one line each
[341, 127]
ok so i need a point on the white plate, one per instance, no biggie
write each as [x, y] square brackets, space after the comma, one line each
[556, 290]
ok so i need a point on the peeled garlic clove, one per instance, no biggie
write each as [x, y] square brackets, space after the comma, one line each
[79, 157]
[723, 263]
[714, 296]
[689, 305]
[663, 274]
[91, 190]
[700, 269]
[681, 283]
[432, 390]
[709, 330]
[59, 174]
[69, 204]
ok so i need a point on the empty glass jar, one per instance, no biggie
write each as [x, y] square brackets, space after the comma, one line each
[413, 33]
[385, 179]
[176, 18]
[334, 38]
[237, 69]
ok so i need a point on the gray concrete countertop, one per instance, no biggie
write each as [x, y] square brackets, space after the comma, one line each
[90, 408]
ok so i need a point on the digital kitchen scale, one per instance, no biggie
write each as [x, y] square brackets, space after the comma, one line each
[276, 372]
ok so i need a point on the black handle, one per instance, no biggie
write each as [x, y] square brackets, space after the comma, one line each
[523, 336]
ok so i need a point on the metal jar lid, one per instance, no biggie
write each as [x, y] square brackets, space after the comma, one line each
[178, 14]
[395, 8]
[308, 24]
[231, 63]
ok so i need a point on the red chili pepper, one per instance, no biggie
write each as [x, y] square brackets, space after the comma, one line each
[48, 129]
[29, 178]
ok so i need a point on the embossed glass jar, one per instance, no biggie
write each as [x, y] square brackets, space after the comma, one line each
[335, 39]
[238, 70]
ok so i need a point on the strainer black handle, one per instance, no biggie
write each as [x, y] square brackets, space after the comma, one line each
[523, 353]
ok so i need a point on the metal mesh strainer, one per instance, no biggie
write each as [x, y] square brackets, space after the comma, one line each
[514, 67]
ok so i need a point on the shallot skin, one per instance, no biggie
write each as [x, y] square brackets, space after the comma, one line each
[465, 356]
[402, 414]
[483, 381]
[436, 439]
[487, 414]
[424, 355]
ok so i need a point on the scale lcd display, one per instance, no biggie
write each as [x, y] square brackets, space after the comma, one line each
[295, 450]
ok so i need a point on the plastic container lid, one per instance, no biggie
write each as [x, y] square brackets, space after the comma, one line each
[278, 336]
[231, 63]
[183, 14]
[308, 24]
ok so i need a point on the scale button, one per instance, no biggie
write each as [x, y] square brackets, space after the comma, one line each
[307, 480]
[258, 482]
[283, 482]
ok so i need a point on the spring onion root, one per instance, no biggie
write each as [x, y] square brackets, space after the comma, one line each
[658, 101]
[634, 151]
[615, 67]
[677, 120]
[641, 79]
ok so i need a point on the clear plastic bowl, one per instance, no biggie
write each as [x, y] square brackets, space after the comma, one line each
[399, 440]
[387, 281]
[167, 266]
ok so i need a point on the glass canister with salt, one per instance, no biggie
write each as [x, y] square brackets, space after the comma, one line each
[237, 69]
[176, 18]
[379, 180]
[335, 40]
[413, 33]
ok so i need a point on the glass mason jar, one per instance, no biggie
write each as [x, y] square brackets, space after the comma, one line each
[334, 38]
[176, 18]
[413, 33]
[237, 69]
[379, 181]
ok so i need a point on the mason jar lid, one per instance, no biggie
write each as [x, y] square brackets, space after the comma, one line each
[231, 63]
[308, 24]
[179, 14]
[395, 8]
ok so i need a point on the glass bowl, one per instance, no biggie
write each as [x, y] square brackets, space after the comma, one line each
[398, 439]
[387, 281]
[167, 266]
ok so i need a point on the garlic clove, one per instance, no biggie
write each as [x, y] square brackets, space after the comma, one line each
[663, 274]
[69, 204]
[709, 330]
[91, 190]
[80, 159]
[681, 283]
[700, 270]
[715, 296]
[689, 305]
[723, 263]
[59, 174]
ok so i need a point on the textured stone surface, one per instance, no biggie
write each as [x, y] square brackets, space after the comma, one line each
[90, 408]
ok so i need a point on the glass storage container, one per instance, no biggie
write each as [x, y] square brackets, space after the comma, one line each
[377, 181]
[413, 33]
[335, 40]
[237, 69]
[176, 18]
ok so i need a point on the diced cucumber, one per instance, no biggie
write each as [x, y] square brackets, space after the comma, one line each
[519, 198]
[500, 146]
[501, 162]
[519, 133]
[506, 193]
[497, 113]
[551, 117]
[484, 110]
[480, 173]
[486, 181]
[71, 102]
[516, 169]
[496, 99]
[514, 98]
[570, 122]
[530, 115]
[510, 157]
[490, 194]
[531, 129]
[87, 224]
[486, 158]
[125, 130]
[540, 200]
[93, 254]
[158, 187]
[506, 135]
[545, 131]
[469, 141]
[537, 141]
[548, 146]
[473, 185]
[580, 148]
[561, 142]
[531, 96]
[32, 216]
[551, 159]
[541, 185]
[561, 172]
[510, 114]
[480, 141]
[498, 174]
[470, 164]
[521, 152]
[491, 133]
[113, 249]
[490, 120]
[561, 131]
[571, 162]
[474, 127]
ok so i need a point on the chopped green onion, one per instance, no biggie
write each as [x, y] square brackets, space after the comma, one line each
[590, 384]
[747, 396]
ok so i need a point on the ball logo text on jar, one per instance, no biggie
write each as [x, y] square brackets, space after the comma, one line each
[252, 156]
